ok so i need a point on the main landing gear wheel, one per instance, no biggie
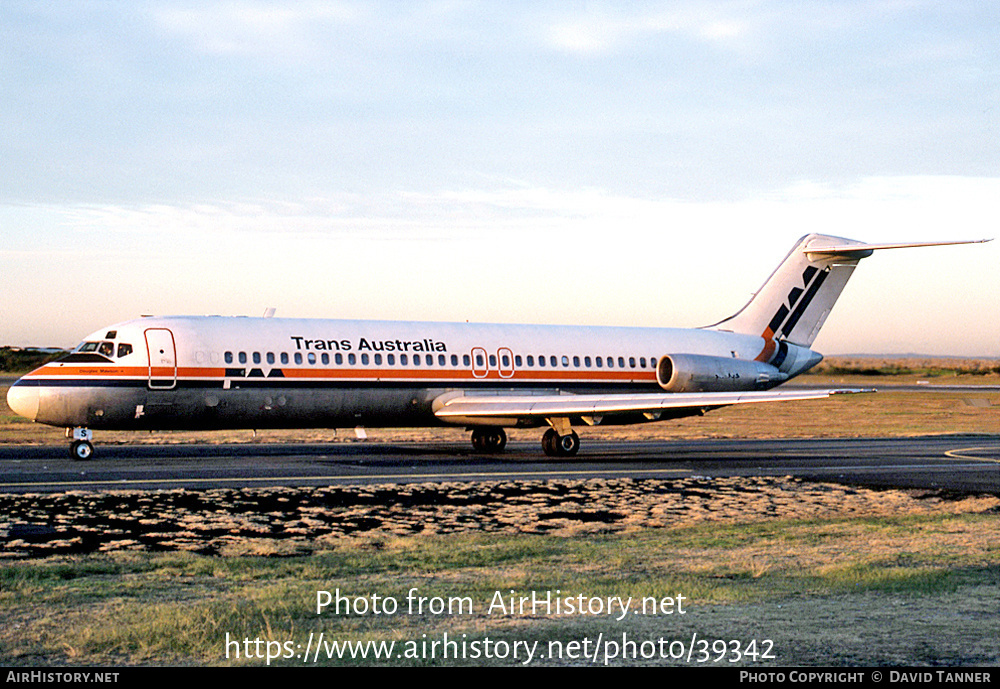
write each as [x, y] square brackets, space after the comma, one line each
[489, 439]
[556, 445]
[81, 450]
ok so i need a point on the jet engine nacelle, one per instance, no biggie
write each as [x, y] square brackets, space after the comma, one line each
[697, 373]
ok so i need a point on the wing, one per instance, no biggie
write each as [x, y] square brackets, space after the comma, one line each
[460, 408]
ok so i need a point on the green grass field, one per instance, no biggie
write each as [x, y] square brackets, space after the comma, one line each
[911, 590]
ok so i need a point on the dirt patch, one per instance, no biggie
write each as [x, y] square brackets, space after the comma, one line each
[296, 521]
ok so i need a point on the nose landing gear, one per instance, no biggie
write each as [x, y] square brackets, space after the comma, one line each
[81, 449]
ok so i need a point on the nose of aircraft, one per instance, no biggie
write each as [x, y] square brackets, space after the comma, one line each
[23, 399]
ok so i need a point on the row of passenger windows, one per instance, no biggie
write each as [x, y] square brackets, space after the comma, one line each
[481, 359]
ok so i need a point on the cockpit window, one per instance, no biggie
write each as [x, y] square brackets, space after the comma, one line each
[91, 353]
[93, 349]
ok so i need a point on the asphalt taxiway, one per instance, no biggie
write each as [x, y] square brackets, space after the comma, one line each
[960, 463]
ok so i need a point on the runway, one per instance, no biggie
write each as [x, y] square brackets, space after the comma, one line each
[960, 463]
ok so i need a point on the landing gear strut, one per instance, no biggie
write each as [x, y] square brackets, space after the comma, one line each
[81, 449]
[489, 439]
[556, 445]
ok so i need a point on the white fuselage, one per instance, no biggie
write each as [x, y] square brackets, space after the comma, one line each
[222, 372]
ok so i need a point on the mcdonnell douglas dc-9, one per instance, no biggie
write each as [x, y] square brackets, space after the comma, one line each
[199, 373]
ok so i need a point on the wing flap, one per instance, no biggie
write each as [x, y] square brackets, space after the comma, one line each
[460, 408]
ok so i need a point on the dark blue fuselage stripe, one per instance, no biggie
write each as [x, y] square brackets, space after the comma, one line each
[804, 304]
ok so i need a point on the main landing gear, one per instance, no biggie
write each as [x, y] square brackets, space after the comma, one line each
[81, 449]
[488, 440]
[556, 445]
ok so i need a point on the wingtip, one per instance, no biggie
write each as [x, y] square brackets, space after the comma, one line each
[852, 391]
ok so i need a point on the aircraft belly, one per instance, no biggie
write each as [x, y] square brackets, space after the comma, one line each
[298, 408]
[207, 409]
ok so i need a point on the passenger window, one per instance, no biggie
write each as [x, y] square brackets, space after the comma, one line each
[325, 358]
[493, 360]
[599, 361]
[312, 358]
[454, 359]
[284, 357]
[466, 361]
[338, 358]
[517, 360]
[642, 362]
[298, 357]
[576, 361]
[378, 359]
[586, 361]
[631, 362]
[621, 362]
[611, 362]
[441, 360]
[256, 357]
[228, 357]
[531, 361]
[552, 360]
[505, 361]
[243, 357]
[364, 359]
[402, 359]
[541, 361]
[565, 361]
[390, 359]
[351, 359]
[270, 357]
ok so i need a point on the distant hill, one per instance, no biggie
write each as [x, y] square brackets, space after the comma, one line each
[899, 364]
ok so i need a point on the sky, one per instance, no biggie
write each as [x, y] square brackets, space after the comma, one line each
[527, 162]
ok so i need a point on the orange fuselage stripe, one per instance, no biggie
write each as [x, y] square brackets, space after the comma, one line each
[375, 375]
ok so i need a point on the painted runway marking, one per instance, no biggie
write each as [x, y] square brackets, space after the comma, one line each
[959, 454]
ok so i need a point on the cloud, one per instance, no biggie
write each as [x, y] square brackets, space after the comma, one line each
[255, 28]
[607, 29]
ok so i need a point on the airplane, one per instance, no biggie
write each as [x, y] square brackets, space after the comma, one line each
[214, 372]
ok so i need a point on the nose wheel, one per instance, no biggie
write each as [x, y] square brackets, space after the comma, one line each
[81, 449]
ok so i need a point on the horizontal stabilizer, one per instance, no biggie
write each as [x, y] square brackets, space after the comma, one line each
[855, 248]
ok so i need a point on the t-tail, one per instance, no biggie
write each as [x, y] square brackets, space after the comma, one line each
[792, 305]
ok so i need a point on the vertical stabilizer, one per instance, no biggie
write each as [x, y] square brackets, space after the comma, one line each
[795, 301]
